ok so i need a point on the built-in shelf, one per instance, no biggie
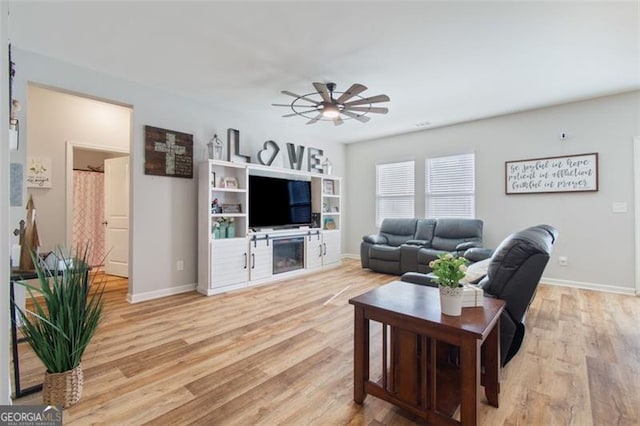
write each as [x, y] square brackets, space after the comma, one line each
[247, 258]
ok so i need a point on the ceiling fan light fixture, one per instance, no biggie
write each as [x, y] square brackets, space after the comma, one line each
[330, 111]
[322, 106]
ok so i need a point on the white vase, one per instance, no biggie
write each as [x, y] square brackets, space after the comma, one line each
[451, 300]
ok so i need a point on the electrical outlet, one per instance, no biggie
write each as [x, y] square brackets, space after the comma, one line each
[563, 260]
[180, 265]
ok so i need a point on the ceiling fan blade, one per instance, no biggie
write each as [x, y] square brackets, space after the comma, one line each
[377, 110]
[286, 92]
[360, 118]
[337, 121]
[297, 106]
[295, 113]
[371, 100]
[324, 93]
[354, 90]
[314, 119]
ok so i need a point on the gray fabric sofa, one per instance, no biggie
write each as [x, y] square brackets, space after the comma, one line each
[408, 245]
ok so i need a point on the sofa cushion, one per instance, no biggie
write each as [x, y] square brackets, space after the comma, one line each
[424, 229]
[451, 232]
[381, 252]
[426, 255]
[398, 231]
[476, 271]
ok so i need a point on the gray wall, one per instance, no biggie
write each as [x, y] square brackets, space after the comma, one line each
[163, 223]
[599, 244]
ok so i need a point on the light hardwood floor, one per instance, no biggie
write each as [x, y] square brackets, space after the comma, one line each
[283, 354]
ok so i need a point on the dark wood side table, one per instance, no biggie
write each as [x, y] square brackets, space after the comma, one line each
[418, 373]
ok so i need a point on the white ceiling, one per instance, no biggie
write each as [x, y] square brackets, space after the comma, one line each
[439, 62]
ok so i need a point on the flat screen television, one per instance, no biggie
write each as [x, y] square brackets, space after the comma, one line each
[277, 202]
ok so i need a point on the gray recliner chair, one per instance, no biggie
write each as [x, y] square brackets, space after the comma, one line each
[381, 252]
[513, 275]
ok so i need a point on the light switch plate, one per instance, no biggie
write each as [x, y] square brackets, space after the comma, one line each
[619, 207]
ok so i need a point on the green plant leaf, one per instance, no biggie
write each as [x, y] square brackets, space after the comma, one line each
[66, 314]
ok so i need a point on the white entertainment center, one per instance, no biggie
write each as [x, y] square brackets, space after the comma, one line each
[231, 255]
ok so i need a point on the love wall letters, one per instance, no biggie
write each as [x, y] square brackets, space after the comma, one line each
[270, 151]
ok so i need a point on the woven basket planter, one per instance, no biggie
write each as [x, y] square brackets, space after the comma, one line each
[63, 388]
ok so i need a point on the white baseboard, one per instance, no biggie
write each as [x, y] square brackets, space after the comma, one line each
[156, 294]
[350, 256]
[588, 286]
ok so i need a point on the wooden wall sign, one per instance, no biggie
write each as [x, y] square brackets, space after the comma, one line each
[168, 153]
[571, 173]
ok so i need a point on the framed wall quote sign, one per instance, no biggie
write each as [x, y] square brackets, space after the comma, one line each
[571, 173]
[168, 153]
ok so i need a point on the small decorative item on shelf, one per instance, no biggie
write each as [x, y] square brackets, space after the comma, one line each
[335, 209]
[327, 167]
[213, 179]
[449, 270]
[223, 227]
[215, 230]
[215, 207]
[231, 183]
[232, 208]
[328, 188]
[231, 228]
[315, 219]
[325, 207]
[215, 148]
[329, 223]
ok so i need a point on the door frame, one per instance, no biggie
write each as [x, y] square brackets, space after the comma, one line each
[70, 146]
[636, 208]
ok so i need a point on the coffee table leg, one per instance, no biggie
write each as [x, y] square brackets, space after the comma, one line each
[360, 355]
[491, 355]
[470, 372]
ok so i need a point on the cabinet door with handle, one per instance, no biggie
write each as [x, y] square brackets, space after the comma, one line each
[331, 252]
[260, 259]
[229, 262]
[313, 249]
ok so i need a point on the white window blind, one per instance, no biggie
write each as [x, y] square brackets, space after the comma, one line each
[450, 186]
[395, 190]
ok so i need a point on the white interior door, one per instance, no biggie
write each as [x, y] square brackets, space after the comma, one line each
[116, 210]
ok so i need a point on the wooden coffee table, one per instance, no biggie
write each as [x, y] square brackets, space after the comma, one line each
[431, 363]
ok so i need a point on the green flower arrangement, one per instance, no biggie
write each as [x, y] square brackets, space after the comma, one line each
[449, 269]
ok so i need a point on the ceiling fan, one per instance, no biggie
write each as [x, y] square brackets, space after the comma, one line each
[322, 105]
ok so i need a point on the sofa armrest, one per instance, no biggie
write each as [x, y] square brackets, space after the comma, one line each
[465, 246]
[476, 254]
[418, 278]
[421, 243]
[375, 239]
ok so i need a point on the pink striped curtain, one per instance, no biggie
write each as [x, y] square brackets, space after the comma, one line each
[88, 214]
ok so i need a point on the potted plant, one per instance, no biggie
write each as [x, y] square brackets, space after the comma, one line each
[67, 307]
[449, 270]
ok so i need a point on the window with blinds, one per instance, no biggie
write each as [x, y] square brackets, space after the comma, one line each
[395, 190]
[450, 186]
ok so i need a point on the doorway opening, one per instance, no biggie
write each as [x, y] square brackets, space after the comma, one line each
[77, 131]
[90, 203]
